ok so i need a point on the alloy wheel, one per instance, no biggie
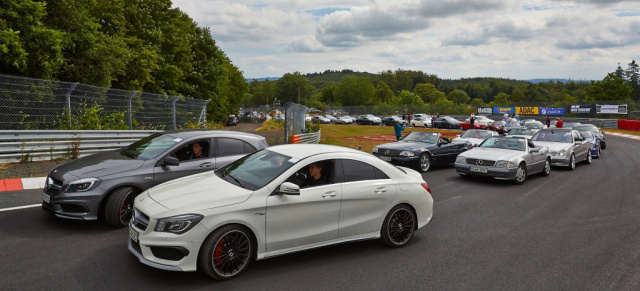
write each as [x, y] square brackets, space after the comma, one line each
[231, 254]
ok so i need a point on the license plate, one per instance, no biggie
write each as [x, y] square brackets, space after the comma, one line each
[133, 234]
[46, 198]
[388, 159]
[478, 169]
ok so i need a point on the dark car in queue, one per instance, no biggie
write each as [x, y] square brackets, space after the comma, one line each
[595, 149]
[368, 119]
[391, 120]
[104, 185]
[497, 126]
[420, 150]
[446, 122]
[599, 134]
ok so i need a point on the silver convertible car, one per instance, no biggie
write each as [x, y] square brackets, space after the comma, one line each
[276, 201]
[506, 158]
[566, 146]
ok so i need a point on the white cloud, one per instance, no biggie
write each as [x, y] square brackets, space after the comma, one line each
[520, 39]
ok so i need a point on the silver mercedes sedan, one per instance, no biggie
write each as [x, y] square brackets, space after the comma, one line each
[276, 201]
[505, 158]
[566, 146]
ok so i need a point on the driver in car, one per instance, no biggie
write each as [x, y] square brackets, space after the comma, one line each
[315, 177]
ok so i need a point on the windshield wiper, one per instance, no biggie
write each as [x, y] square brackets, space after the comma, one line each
[235, 179]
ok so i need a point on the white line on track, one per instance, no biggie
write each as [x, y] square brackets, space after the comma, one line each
[452, 198]
[20, 207]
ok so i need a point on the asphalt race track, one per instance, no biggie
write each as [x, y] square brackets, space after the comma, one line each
[573, 230]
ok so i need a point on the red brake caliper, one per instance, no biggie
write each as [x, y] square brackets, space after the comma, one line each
[218, 252]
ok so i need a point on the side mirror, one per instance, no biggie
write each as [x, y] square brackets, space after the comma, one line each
[288, 188]
[534, 150]
[171, 161]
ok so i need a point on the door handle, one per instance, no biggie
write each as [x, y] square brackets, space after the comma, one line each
[380, 190]
[329, 194]
[205, 165]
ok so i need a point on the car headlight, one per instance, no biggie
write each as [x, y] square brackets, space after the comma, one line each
[375, 150]
[178, 224]
[461, 159]
[82, 185]
[504, 164]
[562, 153]
[407, 154]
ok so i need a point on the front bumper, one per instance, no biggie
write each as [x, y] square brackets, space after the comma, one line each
[76, 205]
[560, 161]
[408, 162]
[497, 173]
[167, 251]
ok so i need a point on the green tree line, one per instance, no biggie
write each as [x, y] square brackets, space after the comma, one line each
[140, 45]
[405, 87]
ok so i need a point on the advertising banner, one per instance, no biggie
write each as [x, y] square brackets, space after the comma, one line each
[530, 110]
[503, 110]
[582, 109]
[485, 111]
[551, 110]
[611, 109]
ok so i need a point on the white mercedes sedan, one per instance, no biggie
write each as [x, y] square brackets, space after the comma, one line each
[276, 201]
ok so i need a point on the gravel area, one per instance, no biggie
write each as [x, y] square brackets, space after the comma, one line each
[42, 168]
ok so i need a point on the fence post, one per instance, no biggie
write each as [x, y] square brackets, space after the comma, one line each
[130, 110]
[174, 112]
[68, 95]
[203, 114]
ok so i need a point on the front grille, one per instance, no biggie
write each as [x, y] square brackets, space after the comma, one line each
[389, 153]
[136, 246]
[140, 220]
[73, 208]
[52, 186]
[480, 162]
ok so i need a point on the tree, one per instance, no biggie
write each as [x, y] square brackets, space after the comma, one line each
[619, 71]
[407, 98]
[383, 94]
[327, 95]
[458, 96]
[263, 91]
[354, 90]
[501, 99]
[27, 46]
[633, 79]
[428, 92]
[611, 87]
[293, 87]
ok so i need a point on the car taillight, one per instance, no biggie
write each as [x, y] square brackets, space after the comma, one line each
[426, 187]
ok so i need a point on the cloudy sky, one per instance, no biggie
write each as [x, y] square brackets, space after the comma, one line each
[516, 39]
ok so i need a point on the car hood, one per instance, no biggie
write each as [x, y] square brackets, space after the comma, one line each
[493, 154]
[553, 146]
[198, 192]
[100, 165]
[401, 145]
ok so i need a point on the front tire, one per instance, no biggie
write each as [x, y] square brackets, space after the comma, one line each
[572, 162]
[547, 168]
[521, 174]
[424, 162]
[227, 252]
[120, 206]
[589, 159]
[398, 226]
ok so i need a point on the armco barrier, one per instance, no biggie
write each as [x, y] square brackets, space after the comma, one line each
[629, 124]
[305, 137]
[35, 145]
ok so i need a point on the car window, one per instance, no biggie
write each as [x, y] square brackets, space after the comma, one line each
[230, 147]
[304, 176]
[195, 150]
[360, 171]
[256, 170]
[150, 147]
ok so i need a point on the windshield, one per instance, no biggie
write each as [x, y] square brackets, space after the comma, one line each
[256, 170]
[150, 147]
[416, 136]
[591, 128]
[516, 144]
[553, 136]
[476, 134]
[586, 133]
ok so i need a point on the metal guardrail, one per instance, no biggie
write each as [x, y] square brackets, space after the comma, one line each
[39, 145]
[313, 137]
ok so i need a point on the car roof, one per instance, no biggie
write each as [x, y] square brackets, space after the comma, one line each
[302, 151]
[189, 133]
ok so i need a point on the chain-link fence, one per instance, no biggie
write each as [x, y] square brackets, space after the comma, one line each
[27, 103]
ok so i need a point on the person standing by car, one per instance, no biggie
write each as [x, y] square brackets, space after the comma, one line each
[548, 121]
[506, 117]
[409, 117]
[517, 116]
[472, 119]
[398, 128]
[559, 122]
